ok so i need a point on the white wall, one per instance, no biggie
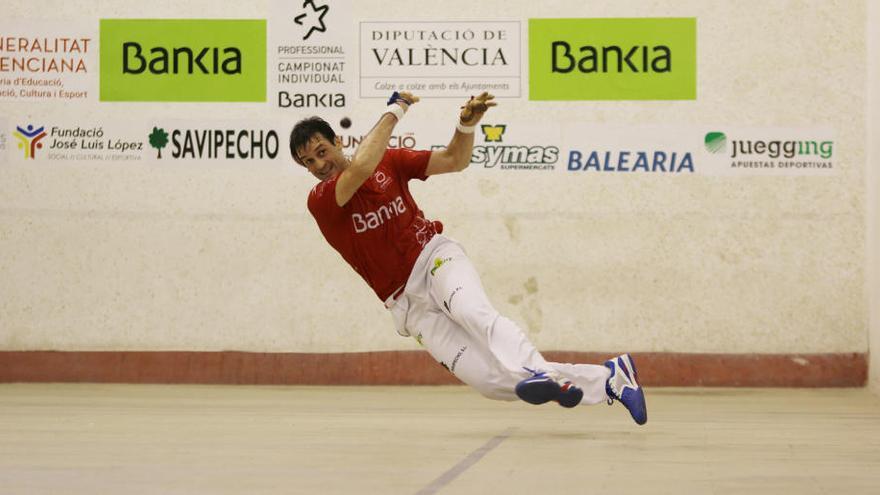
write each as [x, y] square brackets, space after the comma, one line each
[874, 191]
[152, 257]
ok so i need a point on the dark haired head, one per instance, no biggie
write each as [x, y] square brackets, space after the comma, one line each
[304, 130]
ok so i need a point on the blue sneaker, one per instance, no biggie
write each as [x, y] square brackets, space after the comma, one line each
[623, 387]
[545, 386]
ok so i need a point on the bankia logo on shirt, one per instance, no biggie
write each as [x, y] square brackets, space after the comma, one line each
[374, 219]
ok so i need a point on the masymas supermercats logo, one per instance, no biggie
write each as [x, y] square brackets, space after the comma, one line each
[498, 154]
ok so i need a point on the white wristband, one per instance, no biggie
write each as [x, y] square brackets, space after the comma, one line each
[465, 129]
[396, 110]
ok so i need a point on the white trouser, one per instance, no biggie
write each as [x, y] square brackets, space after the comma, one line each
[444, 307]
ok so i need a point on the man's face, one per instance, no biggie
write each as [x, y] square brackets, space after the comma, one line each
[323, 158]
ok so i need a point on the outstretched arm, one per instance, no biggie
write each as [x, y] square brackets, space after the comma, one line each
[369, 153]
[457, 155]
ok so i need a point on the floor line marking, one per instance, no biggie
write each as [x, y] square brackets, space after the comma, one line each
[465, 464]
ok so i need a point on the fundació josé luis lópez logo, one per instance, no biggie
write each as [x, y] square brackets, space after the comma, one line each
[183, 60]
[29, 139]
[716, 142]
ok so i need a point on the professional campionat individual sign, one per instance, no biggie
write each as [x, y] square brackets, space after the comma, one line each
[312, 50]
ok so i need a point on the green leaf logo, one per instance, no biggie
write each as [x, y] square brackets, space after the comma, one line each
[158, 139]
[716, 142]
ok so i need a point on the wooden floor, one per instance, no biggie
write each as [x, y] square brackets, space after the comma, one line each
[153, 439]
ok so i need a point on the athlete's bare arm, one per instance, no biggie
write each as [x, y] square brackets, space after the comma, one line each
[368, 154]
[457, 155]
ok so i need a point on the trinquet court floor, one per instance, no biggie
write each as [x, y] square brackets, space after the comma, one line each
[186, 439]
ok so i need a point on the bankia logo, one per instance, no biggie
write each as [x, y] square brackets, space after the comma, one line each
[29, 139]
[183, 60]
[613, 59]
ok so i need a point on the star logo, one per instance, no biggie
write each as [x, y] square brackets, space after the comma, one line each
[313, 19]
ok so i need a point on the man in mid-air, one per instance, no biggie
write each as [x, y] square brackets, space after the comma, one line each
[365, 211]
